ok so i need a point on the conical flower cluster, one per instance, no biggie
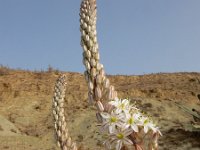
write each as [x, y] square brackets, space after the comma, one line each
[98, 84]
[63, 138]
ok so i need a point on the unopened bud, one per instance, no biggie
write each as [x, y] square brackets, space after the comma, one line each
[69, 141]
[86, 76]
[90, 85]
[106, 83]
[98, 93]
[111, 92]
[64, 147]
[87, 65]
[97, 56]
[100, 106]
[58, 133]
[99, 117]
[98, 66]
[93, 72]
[93, 62]
[98, 79]
[74, 147]
[90, 98]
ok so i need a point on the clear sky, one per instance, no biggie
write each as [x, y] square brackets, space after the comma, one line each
[135, 36]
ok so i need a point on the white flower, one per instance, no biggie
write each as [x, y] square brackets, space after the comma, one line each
[123, 120]
[121, 105]
[112, 120]
[148, 124]
[118, 139]
[132, 120]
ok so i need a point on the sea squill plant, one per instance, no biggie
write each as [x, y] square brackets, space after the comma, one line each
[122, 123]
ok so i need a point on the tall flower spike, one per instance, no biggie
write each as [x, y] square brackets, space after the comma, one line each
[95, 74]
[63, 139]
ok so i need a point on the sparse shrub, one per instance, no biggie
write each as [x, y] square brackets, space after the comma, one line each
[4, 70]
[195, 125]
[52, 70]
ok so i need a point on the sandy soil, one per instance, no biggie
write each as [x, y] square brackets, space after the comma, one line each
[26, 121]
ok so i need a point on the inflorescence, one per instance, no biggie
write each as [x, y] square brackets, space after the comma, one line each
[125, 124]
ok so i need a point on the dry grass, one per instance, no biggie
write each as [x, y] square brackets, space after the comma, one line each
[26, 108]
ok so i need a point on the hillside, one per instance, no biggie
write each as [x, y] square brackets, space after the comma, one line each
[26, 121]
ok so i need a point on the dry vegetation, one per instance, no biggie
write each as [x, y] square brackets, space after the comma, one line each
[26, 120]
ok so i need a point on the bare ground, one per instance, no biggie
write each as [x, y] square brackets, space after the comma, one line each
[26, 121]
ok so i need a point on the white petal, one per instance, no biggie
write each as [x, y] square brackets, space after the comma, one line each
[146, 129]
[134, 127]
[128, 132]
[111, 128]
[107, 144]
[128, 141]
[119, 145]
[105, 115]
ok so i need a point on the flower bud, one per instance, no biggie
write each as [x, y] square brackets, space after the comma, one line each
[89, 28]
[66, 134]
[99, 117]
[90, 98]
[97, 46]
[61, 104]
[87, 38]
[111, 92]
[55, 104]
[56, 126]
[63, 118]
[74, 147]
[65, 147]
[100, 106]
[98, 66]
[93, 62]
[59, 124]
[90, 43]
[97, 56]
[98, 93]
[98, 79]
[69, 141]
[87, 65]
[54, 112]
[86, 76]
[87, 18]
[90, 85]
[85, 48]
[106, 83]
[58, 133]
[94, 50]
[83, 33]
[58, 143]
[82, 15]
[61, 99]
[93, 72]
[81, 21]
[102, 72]
[95, 39]
[84, 25]
[88, 54]
[115, 94]
[56, 117]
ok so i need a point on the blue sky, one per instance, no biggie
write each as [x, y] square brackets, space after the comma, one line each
[135, 36]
